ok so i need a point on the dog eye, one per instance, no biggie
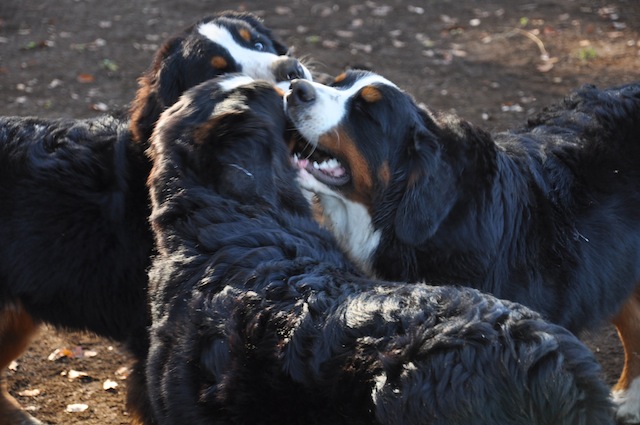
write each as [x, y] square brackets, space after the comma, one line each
[258, 46]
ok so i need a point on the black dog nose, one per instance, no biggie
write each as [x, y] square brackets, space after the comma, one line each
[302, 91]
[287, 69]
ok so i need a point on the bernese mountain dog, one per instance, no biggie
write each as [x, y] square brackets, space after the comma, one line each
[545, 215]
[258, 317]
[74, 208]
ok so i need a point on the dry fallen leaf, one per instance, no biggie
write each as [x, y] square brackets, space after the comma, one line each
[74, 374]
[100, 107]
[13, 365]
[76, 408]
[85, 78]
[29, 393]
[60, 353]
[78, 352]
[122, 372]
[109, 385]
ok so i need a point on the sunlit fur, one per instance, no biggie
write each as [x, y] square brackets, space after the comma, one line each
[74, 207]
[259, 318]
[545, 215]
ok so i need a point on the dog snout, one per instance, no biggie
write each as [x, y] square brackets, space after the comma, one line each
[288, 69]
[302, 92]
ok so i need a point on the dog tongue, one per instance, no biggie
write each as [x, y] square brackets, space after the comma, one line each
[301, 162]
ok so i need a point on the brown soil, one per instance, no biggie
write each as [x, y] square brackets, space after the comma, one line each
[493, 62]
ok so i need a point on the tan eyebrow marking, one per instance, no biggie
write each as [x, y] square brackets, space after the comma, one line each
[219, 62]
[245, 34]
[340, 77]
[371, 94]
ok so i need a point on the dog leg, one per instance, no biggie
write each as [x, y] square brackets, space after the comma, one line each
[16, 329]
[138, 403]
[626, 392]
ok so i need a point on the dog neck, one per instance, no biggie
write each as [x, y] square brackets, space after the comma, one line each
[351, 224]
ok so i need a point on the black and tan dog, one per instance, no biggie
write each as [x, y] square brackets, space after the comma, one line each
[546, 215]
[259, 318]
[74, 207]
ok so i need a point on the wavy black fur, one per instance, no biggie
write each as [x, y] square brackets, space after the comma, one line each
[545, 215]
[74, 208]
[259, 319]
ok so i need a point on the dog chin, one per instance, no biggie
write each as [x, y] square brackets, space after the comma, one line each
[318, 195]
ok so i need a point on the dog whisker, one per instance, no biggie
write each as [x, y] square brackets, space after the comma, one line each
[313, 150]
[337, 134]
[244, 170]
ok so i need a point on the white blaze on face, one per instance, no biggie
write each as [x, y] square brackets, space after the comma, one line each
[234, 82]
[329, 108]
[254, 63]
[228, 84]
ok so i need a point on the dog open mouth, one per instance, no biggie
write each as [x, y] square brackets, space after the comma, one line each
[323, 166]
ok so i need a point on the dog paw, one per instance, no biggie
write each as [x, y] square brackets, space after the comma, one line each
[628, 403]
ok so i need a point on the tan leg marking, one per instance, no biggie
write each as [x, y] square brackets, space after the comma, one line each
[626, 392]
[17, 328]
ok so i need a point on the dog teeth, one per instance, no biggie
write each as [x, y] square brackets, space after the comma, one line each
[330, 167]
[327, 165]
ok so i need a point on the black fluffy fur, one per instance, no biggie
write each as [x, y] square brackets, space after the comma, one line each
[546, 215]
[75, 239]
[258, 318]
[185, 61]
[74, 208]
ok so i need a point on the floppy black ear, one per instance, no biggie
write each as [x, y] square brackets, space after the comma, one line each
[430, 192]
[232, 155]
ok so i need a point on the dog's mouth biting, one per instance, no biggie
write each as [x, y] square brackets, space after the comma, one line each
[319, 163]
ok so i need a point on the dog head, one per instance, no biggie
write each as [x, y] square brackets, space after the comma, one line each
[369, 152]
[226, 134]
[230, 42]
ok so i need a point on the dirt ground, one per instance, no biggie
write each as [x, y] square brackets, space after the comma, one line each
[493, 62]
